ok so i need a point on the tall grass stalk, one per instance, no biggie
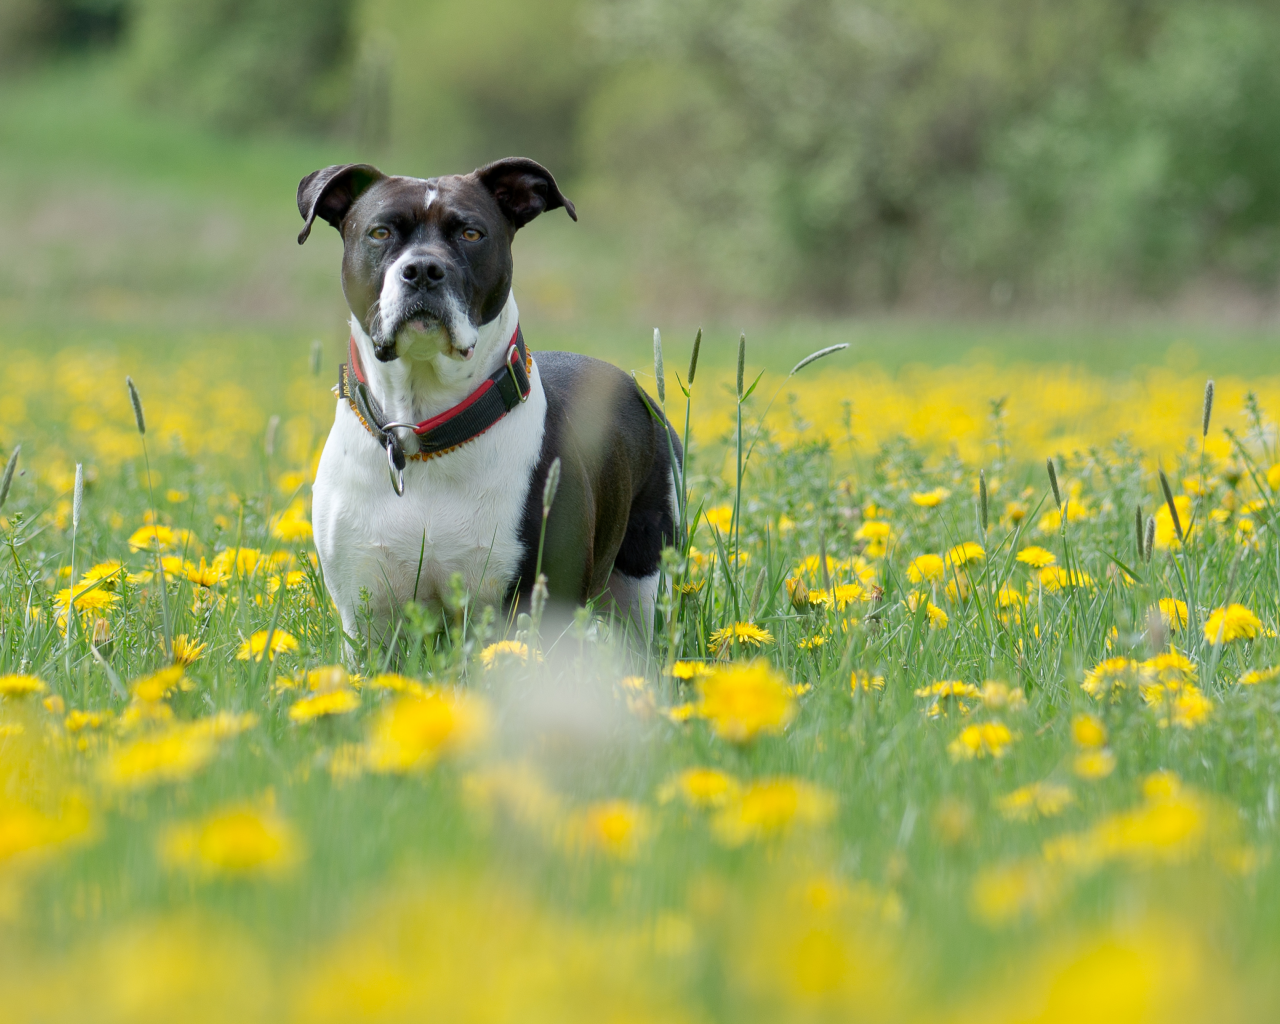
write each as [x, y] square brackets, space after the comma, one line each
[136, 400]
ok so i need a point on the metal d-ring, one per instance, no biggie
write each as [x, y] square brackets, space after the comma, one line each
[395, 456]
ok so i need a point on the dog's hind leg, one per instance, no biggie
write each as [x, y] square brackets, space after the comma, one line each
[634, 600]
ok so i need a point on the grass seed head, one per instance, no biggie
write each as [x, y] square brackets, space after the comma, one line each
[1208, 408]
[658, 372]
[813, 357]
[136, 400]
[1150, 544]
[9, 468]
[982, 497]
[1053, 482]
[1137, 525]
[552, 484]
[77, 497]
[693, 360]
[742, 361]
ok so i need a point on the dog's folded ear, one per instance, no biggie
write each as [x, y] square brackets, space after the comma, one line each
[523, 189]
[328, 193]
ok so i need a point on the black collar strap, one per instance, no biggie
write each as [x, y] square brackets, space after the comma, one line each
[506, 388]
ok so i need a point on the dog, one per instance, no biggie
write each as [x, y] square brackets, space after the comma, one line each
[448, 425]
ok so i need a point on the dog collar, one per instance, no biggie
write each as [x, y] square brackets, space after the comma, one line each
[497, 395]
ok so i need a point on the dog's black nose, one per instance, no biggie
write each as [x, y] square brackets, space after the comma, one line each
[425, 272]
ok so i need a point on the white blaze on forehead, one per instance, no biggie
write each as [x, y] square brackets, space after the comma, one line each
[431, 196]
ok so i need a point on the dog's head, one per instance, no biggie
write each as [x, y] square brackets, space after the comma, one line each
[427, 262]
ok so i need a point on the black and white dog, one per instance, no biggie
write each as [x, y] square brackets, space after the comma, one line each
[447, 425]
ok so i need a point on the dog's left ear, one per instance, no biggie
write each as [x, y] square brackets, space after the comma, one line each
[523, 189]
[329, 192]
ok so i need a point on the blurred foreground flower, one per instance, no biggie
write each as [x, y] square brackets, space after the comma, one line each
[292, 525]
[326, 702]
[987, 739]
[700, 787]
[745, 700]
[241, 841]
[418, 730]
[1039, 799]
[20, 685]
[503, 649]
[174, 753]
[772, 807]
[614, 827]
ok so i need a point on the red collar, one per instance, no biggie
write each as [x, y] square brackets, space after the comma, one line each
[497, 395]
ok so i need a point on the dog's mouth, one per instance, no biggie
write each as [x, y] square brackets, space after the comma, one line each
[417, 322]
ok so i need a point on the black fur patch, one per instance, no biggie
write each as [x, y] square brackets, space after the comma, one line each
[613, 506]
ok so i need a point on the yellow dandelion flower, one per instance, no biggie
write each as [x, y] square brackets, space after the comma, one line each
[680, 713]
[926, 568]
[1003, 894]
[241, 841]
[292, 524]
[170, 756]
[740, 632]
[1054, 578]
[1233, 622]
[744, 701]
[1109, 677]
[1037, 557]
[700, 787]
[158, 685]
[1088, 732]
[811, 643]
[1254, 676]
[720, 518]
[156, 537]
[963, 554]
[253, 648]
[1094, 764]
[865, 681]
[187, 651]
[613, 827]
[686, 670]
[998, 696]
[938, 619]
[985, 739]
[13, 685]
[876, 530]
[504, 649]
[395, 683]
[419, 729]
[1173, 612]
[770, 808]
[237, 561]
[320, 705]
[79, 721]
[1037, 800]
[930, 499]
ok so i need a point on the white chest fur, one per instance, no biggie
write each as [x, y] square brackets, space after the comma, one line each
[460, 513]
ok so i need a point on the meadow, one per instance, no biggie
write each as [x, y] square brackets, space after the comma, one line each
[912, 742]
[926, 731]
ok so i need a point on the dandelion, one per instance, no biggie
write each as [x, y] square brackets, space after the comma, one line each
[1173, 613]
[687, 670]
[700, 787]
[1037, 800]
[158, 685]
[419, 729]
[740, 632]
[745, 700]
[1233, 622]
[323, 704]
[156, 537]
[238, 842]
[963, 554]
[1094, 764]
[21, 685]
[930, 499]
[170, 756]
[1109, 677]
[1037, 557]
[1254, 676]
[1054, 579]
[865, 681]
[720, 518]
[237, 561]
[187, 651]
[1004, 894]
[491, 655]
[997, 696]
[926, 568]
[1087, 731]
[938, 619]
[613, 827]
[253, 648]
[292, 525]
[770, 808]
[986, 739]
[947, 694]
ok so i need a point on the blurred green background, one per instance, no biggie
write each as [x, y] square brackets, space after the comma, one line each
[813, 170]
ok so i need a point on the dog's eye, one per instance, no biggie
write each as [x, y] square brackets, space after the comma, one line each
[381, 234]
[472, 235]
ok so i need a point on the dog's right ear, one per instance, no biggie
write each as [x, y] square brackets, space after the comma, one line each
[329, 193]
